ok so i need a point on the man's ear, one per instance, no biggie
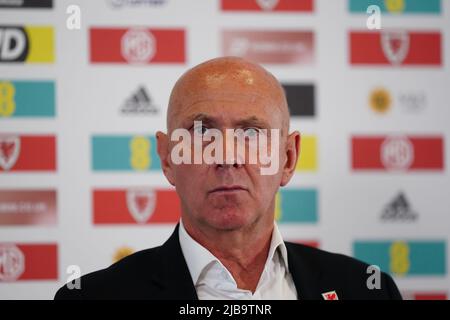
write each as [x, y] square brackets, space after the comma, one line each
[162, 141]
[292, 151]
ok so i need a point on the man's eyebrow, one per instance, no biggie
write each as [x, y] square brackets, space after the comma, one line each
[252, 121]
[247, 122]
[203, 117]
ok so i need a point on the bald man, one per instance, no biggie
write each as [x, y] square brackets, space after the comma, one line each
[227, 245]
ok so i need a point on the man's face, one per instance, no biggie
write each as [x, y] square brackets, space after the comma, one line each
[227, 196]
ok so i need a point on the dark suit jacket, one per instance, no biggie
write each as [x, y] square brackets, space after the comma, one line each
[161, 273]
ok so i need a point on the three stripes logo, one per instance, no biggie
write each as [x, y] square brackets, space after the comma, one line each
[399, 209]
[139, 103]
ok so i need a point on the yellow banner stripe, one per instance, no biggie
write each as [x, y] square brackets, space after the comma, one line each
[308, 154]
[42, 44]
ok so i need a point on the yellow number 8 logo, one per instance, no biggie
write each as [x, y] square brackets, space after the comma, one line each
[399, 254]
[7, 104]
[140, 153]
[395, 5]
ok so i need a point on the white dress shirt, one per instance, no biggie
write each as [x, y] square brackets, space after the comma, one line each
[213, 281]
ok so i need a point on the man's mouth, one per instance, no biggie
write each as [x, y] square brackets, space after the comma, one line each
[228, 189]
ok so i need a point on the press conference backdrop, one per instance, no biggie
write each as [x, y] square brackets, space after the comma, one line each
[80, 181]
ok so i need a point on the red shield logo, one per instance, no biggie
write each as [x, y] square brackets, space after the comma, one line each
[330, 295]
[395, 45]
[9, 151]
[141, 204]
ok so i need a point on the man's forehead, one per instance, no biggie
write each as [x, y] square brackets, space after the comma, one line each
[220, 85]
[227, 85]
[245, 99]
[229, 108]
[216, 79]
[226, 76]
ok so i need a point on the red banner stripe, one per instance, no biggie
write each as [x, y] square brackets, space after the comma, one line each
[106, 45]
[430, 296]
[37, 153]
[110, 207]
[40, 261]
[424, 49]
[282, 5]
[428, 153]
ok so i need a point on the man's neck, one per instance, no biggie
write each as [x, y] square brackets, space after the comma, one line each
[243, 252]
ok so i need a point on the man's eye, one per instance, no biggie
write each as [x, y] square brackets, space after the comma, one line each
[251, 132]
[200, 130]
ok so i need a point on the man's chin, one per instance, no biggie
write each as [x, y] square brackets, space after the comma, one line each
[230, 220]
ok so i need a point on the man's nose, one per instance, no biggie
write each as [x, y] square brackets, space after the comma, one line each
[232, 154]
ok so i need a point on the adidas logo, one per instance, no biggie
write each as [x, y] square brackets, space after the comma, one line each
[399, 209]
[139, 103]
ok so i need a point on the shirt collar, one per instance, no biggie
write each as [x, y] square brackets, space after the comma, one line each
[277, 243]
[198, 257]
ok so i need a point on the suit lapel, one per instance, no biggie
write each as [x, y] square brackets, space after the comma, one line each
[174, 278]
[306, 277]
